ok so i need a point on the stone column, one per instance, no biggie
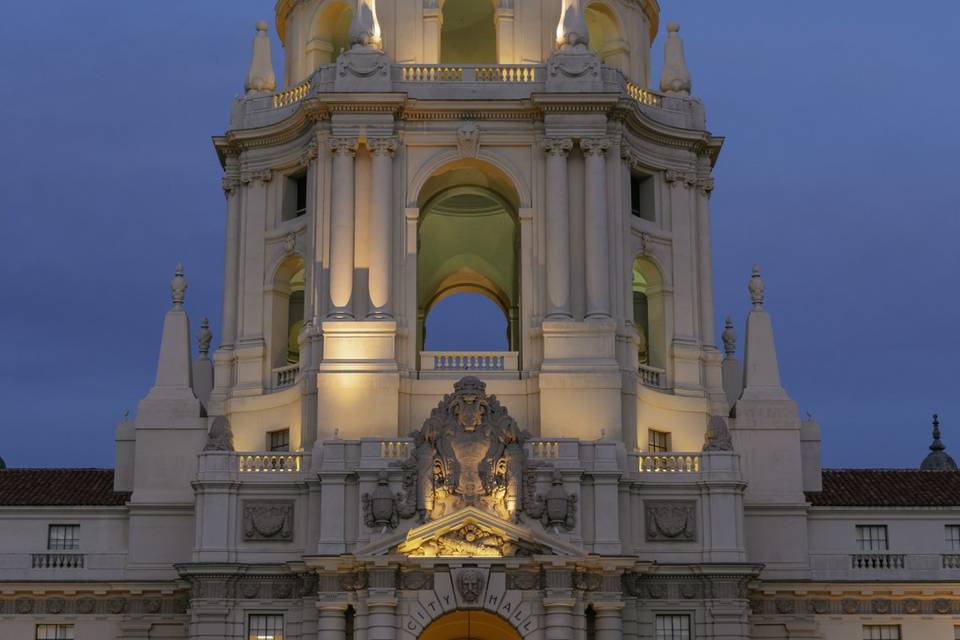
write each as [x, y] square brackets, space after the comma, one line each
[381, 618]
[609, 620]
[558, 618]
[595, 226]
[332, 621]
[558, 228]
[342, 227]
[231, 269]
[707, 330]
[381, 224]
[503, 19]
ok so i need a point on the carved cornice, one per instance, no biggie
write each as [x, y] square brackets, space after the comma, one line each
[859, 605]
[681, 178]
[141, 604]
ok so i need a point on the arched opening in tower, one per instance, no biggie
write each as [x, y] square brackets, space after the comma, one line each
[468, 34]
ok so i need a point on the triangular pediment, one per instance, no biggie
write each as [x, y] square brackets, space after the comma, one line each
[471, 533]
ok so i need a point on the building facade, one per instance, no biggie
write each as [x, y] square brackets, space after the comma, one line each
[612, 474]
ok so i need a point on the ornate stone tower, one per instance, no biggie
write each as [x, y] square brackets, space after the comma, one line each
[534, 166]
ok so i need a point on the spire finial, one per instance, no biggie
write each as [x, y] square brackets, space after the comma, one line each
[729, 337]
[675, 79]
[938, 459]
[572, 32]
[936, 445]
[204, 337]
[364, 28]
[260, 76]
[178, 287]
[756, 288]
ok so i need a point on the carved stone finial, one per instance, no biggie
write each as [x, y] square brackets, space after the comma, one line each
[178, 287]
[572, 32]
[675, 79]
[204, 337]
[938, 459]
[756, 288]
[364, 28]
[220, 436]
[729, 337]
[260, 76]
[718, 436]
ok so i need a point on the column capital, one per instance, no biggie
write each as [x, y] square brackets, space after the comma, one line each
[607, 607]
[229, 184]
[705, 185]
[265, 175]
[310, 153]
[385, 146]
[681, 178]
[343, 146]
[557, 146]
[595, 146]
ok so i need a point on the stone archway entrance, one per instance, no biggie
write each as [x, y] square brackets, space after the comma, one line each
[468, 624]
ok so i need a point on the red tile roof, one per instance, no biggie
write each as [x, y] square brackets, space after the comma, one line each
[59, 487]
[887, 488]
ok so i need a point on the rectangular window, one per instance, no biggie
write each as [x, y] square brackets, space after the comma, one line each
[658, 441]
[953, 537]
[63, 537]
[295, 197]
[265, 626]
[956, 632]
[673, 627]
[641, 197]
[872, 537]
[54, 632]
[279, 440]
[881, 632]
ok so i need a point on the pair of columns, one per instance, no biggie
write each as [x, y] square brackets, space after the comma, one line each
[559, 619]
[595, 228]
[342, 259]
[381, 619]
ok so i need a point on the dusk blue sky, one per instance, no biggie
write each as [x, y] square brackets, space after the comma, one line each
[839, 177]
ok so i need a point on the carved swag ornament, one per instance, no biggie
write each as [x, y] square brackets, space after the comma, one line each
[268, 521]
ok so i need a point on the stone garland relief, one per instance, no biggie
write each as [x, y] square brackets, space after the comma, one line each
[150, 605]
[670, 521]
[268, 520]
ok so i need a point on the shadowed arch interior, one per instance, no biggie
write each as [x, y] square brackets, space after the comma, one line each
[469, 625]
[468, 33]
[648, 313]
[468, 241]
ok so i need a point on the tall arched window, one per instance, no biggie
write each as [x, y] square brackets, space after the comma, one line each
[648, 314]
[606, 36]
[468, 34]
[466, 320]
[330, 33]
[286, 315]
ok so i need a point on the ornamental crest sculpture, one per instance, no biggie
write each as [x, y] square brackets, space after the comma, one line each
[469, 452]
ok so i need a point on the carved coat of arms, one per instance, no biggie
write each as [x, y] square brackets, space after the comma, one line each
[469, 452]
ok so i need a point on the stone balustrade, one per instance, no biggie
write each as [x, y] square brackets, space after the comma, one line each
[285, 376]
[57, 560]
[270, 462]
[882, 561]
[291, 96]
[669, 462]
[652, 377]
[395, 449]
[648, 98]
[469, 361]
[951, 561]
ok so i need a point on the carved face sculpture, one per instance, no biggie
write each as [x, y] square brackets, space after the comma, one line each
[471, 585]
[469, 411]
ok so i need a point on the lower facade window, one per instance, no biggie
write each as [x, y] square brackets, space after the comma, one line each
[54, 632]
[265, 626]
[658, 441]
[673, 627]
[881, 632]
